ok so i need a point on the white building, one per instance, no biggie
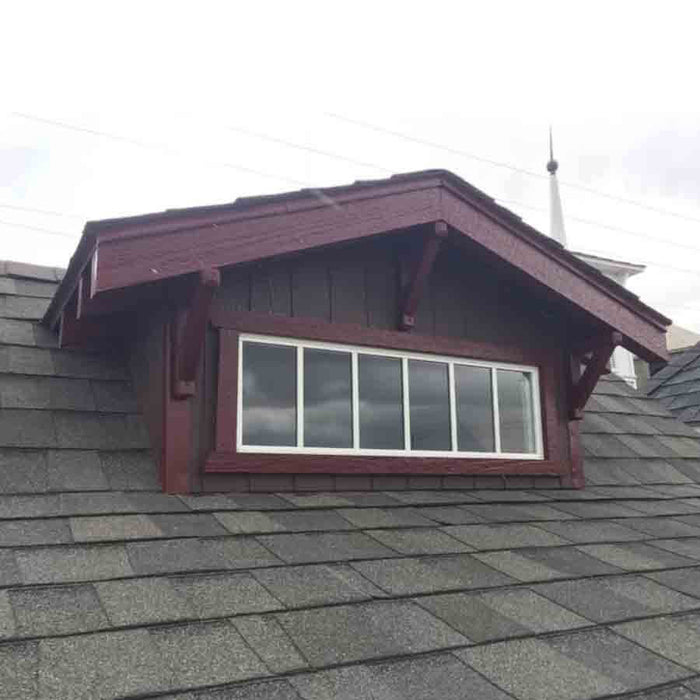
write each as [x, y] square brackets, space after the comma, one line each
[622, 361]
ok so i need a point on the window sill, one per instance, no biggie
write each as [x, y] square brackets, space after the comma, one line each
[286, 463]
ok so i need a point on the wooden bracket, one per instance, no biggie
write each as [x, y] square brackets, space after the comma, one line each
[596, 366]
[188, 334]
[431, 246]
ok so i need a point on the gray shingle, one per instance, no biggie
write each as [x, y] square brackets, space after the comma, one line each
[635, 556]
[124, 431]
[339, 546]
[499, 614]
[545, 563]
[18, 667]
[7, 617]
[9, 571]
[188, 525]
[514, 513]
[13, 332]
[21, 533]
[22, 360]
[677, 638]
[429, 574]
[78, 430]
[20, 428]
[31, 308]
[224, 594]
[57, 610]
[686, 547]
[205, 654]
[450, 515]
[143, 601]
[29, 506]
[387, 517]
[581, 531]
[365, 631]
[576, 665]
[77, 563]
[114, 396]
[662, 527]
[266, 690]
[271, 643]
[436, 677]
[120, 663]
[317, 584]
[683, 580]
[114, 527]
[421, 541]
[130, 470]
[503, 536]
[616, 598]
[19, 391]
[197, 555]
[677, 692]
[22, 471]
[75, 470]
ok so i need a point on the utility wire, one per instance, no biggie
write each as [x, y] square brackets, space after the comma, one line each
[166, 149]
[149, 145]
[508, 166]
[47, 231]
[307, 148]
[49, 212]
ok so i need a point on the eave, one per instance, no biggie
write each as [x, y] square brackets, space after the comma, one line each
[117, 254]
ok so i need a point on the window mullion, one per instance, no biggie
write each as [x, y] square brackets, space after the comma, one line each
[300, 396]
[355, 380]
[453, 405]
[406, 405]
[496, 416]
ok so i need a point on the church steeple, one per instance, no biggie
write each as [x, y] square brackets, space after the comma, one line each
[556, 214]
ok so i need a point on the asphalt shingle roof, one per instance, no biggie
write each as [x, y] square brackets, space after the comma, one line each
[677, 386]
[111, 589]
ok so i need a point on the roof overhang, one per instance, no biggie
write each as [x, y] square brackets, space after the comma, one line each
[125, 253]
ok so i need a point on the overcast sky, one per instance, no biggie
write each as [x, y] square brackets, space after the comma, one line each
[112, 109]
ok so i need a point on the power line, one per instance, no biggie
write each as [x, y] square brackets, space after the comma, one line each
[47, 231]
[163, 148]
[307, 148]
[508, 166]
[49, 212]
[610, 227]
[150, 145]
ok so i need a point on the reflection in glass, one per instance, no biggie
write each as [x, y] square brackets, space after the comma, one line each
[515, 401]
[474, 409]
[327, 398]
[429, 405]
[269, 394]
[381, 403]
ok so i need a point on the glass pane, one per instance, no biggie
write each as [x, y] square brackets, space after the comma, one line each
[474, 409]
[515, 411]
[327, 399]
[381, 403]
[269, 394]
[429, 405]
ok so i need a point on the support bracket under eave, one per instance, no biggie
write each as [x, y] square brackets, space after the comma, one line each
[431, 247]
[189, 332]
[596, 366]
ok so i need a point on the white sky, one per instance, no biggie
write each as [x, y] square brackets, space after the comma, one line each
[184, 84]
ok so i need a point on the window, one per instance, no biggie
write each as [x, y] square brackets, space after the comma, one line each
[317, 398]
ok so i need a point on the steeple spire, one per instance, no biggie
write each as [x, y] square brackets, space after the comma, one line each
[556, 214]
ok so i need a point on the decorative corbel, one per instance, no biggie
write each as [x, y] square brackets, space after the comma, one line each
[601, 350]
[189, 332]
[431, 246]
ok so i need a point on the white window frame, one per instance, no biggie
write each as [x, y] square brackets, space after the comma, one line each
[404, 356]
